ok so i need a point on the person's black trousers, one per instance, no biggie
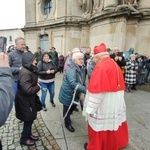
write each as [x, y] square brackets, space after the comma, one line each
[26, 133]
[67, 119]
[61, 69]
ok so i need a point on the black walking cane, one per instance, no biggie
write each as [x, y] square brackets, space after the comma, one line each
[72, 102]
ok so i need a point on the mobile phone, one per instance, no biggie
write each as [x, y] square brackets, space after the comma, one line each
[3, 42]
[120, 53]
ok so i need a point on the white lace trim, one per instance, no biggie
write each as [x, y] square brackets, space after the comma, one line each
[108, 110]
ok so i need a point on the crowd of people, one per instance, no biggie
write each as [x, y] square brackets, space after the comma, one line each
[135, 67]
[102, 76]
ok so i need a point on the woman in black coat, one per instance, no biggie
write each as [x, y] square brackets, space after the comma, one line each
[25, 104]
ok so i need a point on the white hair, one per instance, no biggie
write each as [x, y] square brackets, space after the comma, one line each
[75, 50]
[76, 55]
[100, 55]
[116, 47]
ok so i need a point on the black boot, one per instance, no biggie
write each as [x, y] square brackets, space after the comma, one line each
[0, 145]
[85, 146]
[134, 87]
[129, 88]
[44, 108]
[70, 128]
[53, 104]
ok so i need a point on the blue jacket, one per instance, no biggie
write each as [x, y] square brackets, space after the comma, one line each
[75, 75]
[128, 53]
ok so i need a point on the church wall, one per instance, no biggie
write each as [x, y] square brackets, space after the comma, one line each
[138, 35]
[60, 8]
[131, 35]
[71, 24]
[32, 40]
[122, 33]
[85, 33]
[57, 39]
[109, 31]
[143, 36]
[30, 12]
[63, 39]
[56, 14]
[73, 38]
[75, 9]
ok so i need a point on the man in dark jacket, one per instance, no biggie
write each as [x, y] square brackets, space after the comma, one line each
[15, 59]
[38, 54]
[86, 58]
[54, 55]
[147, 66]
[6, 89]
[118, 57]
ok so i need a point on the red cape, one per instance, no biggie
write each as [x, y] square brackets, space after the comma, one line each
[106, 77]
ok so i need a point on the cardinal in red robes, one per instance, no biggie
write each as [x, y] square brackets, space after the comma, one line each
[104, 105]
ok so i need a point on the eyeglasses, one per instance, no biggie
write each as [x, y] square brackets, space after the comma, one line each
[80, 58]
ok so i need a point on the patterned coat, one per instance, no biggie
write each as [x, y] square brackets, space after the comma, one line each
[131, 72]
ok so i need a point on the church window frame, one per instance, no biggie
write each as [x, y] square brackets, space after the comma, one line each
[47, 7]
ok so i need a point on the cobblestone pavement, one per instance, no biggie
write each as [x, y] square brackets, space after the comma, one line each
[10, 135]
[138, 114]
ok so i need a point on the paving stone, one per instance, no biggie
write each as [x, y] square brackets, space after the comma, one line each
[50, 138]
[16, 136]
[10, 134]
[5, 147]
[39, 143]
[18, 148]
[49, 147]
[17, 139]
[25, 148]
[40, 148]
[17, 144]
[45, 142]
[11, 147]
[138, 114]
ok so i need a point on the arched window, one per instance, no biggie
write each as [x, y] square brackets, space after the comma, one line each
[47, 7]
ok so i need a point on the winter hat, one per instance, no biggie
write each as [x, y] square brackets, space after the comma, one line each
[27, 59]
[46, 53]
[101, 49]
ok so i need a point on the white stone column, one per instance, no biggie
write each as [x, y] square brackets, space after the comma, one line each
[119, 32]
[84, 36]
[30, 8]
[110, 4]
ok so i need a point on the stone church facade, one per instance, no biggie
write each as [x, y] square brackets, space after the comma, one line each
[66, 24]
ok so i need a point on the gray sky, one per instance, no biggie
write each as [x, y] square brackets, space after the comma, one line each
[12, 14]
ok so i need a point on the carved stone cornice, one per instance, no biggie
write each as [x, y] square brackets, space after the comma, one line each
[79, 21]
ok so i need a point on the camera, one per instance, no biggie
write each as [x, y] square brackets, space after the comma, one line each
[3, 42]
